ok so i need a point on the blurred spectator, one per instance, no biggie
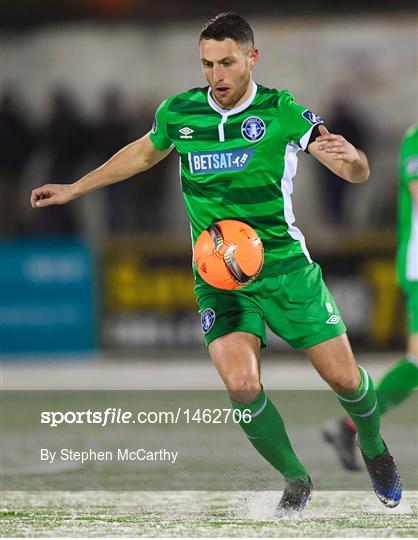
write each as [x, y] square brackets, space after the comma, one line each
[67, 137]
[111, 133]
[66, 140]
[151, 187]
[344, 119]
[134, 206]
[15, 150]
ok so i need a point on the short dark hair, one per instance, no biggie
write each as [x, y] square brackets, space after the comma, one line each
[228, 25]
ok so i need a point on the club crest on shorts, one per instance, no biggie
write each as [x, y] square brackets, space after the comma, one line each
[253, 129]
[207, 319]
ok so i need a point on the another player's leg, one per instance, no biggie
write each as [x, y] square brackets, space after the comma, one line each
[393, 388]
[340, 433]
[236, 357]
[398, 383]
[334, 361]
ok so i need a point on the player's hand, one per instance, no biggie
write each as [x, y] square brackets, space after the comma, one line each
[50, 194]
[336, 145]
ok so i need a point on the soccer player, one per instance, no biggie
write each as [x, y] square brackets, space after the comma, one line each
[238, 144]
[402, 378]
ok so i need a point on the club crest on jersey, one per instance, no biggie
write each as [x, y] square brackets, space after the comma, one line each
[312, 118]
[253, 129]
[207, 320]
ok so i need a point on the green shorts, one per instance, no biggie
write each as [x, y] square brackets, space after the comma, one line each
[297, 306]
[410, 290]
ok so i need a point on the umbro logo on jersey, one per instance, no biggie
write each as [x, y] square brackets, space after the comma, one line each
[334, 319]
[186, 133]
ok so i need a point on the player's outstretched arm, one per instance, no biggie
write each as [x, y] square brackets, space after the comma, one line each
[137, 157]
[340, 156]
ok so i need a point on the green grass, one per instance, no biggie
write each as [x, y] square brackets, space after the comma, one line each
[197, 514]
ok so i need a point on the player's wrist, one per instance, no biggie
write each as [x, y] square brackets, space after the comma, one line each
[87, 183]
[76, 190]
[360, 171]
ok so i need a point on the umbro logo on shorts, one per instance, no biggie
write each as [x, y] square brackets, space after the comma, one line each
[207, 319]
[334, 319]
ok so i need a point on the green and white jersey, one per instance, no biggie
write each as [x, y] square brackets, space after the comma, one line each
[240, 164]
[407, 256]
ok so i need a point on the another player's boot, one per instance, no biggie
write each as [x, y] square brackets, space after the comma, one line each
[295, 496]
[339, 435]
[385, 477]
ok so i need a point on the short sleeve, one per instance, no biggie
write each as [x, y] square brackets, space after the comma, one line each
[298, 120]
[409, 157]
[158, 133]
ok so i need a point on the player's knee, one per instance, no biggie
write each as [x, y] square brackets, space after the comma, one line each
[346, 383]
[243, 388]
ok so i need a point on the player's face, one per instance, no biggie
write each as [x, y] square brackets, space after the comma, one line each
[227, 66]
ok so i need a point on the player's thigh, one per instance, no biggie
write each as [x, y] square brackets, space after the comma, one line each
[334, 361]
[224, 312]
[301, 309]
[237, 359]
[234, 330]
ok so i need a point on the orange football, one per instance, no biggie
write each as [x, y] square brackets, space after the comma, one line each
[229, 254]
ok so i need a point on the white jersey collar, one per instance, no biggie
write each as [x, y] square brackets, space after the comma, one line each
[235, 110]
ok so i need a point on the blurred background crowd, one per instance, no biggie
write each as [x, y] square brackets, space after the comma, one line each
[61, 146]
[82, 79]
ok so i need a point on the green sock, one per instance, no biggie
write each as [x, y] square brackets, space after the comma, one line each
[396, 384]
[267, 434]
[364, 412]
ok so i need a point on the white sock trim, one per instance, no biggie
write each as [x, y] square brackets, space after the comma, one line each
[261, 409]
[367, 413]
[365, 390]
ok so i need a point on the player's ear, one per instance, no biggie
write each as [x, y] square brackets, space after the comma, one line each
[252, 57]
